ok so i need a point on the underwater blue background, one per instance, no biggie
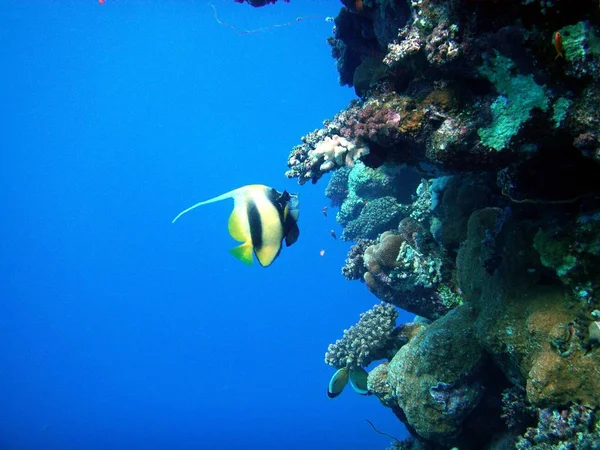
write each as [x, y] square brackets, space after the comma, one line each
[118, 329]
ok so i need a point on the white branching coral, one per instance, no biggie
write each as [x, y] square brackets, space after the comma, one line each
[334, 152]
[364, 342]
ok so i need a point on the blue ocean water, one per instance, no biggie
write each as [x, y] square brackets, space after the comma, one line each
[119, 330]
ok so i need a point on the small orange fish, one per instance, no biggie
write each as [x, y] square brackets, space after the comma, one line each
[359, 5]
[324, 211]
[558, 45]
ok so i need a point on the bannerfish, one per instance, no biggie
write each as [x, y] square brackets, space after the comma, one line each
[261, 219]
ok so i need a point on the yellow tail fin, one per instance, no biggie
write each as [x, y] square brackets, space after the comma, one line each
[243, 253]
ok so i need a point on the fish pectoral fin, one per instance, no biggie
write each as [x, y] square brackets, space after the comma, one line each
[243, 253]
[292, 234]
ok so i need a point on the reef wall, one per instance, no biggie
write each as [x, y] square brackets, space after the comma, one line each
[467, 174]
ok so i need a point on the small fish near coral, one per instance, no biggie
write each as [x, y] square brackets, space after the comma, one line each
[261, 219]
[357, 377]
[558, 45]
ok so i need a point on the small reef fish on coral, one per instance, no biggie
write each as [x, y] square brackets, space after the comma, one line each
[261, 219]
[558, 45]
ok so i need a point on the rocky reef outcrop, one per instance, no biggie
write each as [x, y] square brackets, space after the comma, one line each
[467, 175]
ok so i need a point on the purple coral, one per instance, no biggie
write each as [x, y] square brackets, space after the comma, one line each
[571, 428]
[373, 121]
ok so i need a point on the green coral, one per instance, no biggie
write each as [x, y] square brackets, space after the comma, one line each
[560, 108]
[370, 183]
[579, 40]
[519, 95]
[448, 296]
[554, 252]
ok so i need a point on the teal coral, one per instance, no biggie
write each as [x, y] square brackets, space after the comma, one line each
[579, 40]
[560, 109]
[581, 49]
[519, 95]
[375, 217]
[370, 206]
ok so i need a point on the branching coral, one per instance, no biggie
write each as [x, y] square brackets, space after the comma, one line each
[367, 341]
[322, 153]
[333, 152]
[337, 188]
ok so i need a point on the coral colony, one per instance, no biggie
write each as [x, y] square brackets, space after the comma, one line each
[488, 113]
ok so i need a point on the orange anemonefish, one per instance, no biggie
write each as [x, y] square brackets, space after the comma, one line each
[261, 219]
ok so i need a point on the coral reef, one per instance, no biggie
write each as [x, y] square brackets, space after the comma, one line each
[467, 175]
[406, 268]
[433, 378]
[576, 427]
[354, 267]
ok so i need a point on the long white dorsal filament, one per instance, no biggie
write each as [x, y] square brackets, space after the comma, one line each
[229, 194]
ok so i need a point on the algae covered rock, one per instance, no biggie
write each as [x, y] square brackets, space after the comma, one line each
[534, 339]
[533, 326]
[433, 377]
